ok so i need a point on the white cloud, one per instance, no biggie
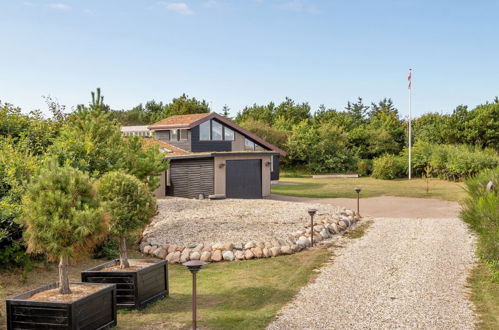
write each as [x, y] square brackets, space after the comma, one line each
[59, 5]
[178, 7]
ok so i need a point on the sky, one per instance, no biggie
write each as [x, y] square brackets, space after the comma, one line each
[241, 52]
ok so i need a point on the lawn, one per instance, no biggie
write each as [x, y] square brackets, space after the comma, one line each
[485, 296]
[231, 295]
[343, 187]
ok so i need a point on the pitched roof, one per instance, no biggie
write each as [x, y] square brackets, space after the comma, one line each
[178, 121]
[171, 150]
[190, 121]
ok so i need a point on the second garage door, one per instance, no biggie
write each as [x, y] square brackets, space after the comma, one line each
[243, 178]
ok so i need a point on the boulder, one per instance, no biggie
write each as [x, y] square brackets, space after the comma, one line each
[333, 228]
[228, 246]
[257, 252]
[218, 246]
[172, 248]
[143, 245]
[286, 250]
[195, 255]
[248, 254]
[296, 248]
[266, 252]
[239, 254]
[268, 245]
[228, 255]
[162, 253]
[238, 246]
[216, 255]
[260, 245]
[185, 255]
[275, 251]
[175, 259]
[205, 256]
[275, 243]
[153, 248]
[303, 241]
[249, 245]
[206, 249]
[325, 233]
[198, 247]
[147, 249]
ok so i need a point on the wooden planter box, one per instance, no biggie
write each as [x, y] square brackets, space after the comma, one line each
[95, 311]
[135, 288]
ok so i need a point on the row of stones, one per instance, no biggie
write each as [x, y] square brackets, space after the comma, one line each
[324, 228]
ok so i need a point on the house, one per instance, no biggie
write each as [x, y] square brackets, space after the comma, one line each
[210, 155]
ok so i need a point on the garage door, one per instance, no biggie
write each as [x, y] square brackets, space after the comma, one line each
[243, 178]
[189, 178]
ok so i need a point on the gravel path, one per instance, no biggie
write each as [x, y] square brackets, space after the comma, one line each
[403, 273]
[187, 222]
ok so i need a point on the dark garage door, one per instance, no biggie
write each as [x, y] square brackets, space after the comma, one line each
[191, 177]
[243, 178]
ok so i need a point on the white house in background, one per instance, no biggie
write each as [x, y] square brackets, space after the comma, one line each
[136, 131]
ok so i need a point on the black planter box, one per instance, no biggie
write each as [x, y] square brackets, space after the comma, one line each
[135, 288]
[95, 311]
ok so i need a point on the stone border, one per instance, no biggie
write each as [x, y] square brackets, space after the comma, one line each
[333, 225]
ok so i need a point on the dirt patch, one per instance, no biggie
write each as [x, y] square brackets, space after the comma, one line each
[77, 291]
[387, 206]
[134, 265]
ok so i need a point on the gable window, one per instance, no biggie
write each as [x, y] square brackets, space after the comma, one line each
[205, 131]
[228, 134]
[249, 145]
[216, 131]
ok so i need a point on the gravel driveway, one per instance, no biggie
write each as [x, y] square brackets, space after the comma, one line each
[403, 273]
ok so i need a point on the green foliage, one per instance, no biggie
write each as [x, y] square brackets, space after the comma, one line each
[481, 211]
[364, 167]
[61, 214]
[109, 249]
[388, 167]
[126, 200]
[266, 132]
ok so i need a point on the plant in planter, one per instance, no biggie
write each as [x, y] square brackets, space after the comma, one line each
[63, 219]
[129, 205]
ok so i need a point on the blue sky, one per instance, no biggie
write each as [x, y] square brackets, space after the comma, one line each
[240, 52]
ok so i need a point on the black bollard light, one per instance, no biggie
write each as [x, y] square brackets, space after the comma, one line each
[358, 190]
[312, 213]
[194, 266]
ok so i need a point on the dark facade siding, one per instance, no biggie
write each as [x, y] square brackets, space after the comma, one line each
[182, 144]
[205, 146]
[274, 175]
[191, 177]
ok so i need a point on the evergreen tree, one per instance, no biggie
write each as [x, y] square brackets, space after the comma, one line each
[358, 111]
[129, 205]
[62, 217]
[226, 112]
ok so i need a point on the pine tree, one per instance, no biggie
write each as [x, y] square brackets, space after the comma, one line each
[128, 204]
[62, 217]
[225, 112]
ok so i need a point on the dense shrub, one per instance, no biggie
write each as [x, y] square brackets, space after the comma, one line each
[481, 211]
[364, 167]
[388, 167]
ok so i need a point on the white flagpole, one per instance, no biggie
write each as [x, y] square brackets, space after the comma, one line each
[410, 128]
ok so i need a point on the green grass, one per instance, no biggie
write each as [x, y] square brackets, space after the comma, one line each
[343, 187]
[231, 295]
[485, 296]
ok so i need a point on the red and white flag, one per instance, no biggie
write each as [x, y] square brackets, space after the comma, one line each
[409, 78]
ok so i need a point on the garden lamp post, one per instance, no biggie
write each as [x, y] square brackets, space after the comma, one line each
[194, 266]
[358, 190]
[312, 213]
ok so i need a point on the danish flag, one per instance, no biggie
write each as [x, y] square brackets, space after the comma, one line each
[409, 78]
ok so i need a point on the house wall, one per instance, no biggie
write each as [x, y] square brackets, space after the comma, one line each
[276, 167]
[220, 172]
[238, 143]
[206, 146]
[182, 144]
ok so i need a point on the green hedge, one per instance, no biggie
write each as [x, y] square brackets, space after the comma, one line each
[481, 211]
[388, 167]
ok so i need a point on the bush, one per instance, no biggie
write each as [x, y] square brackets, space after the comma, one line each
[388, 167]
[481, 211]
[364, 167]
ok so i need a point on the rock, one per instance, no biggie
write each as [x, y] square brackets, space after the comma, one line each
[248, 254]
[153, 248]
[216, 255]
[268, 245]
[333, 228]
[205, 256]
[198, 247]
[162, 253]
[239, 255]
[281, 242]
[275, 243]
[179, 248]
[147, 249]
[172, 248]
[257, 251]
[195, 255]
[206, 249]
[260, 245]
[185, 255]
[249, 245]
[218, 246]
[296, 248]
[266, 252]
[275, 251]
[238, 246]
[175, 259]
[228, 246]
[155, 243]
[156, 251]
[228, 255]
[303, 241]
[143, 245]
[286, 250]
[342, 225]
[325, 233]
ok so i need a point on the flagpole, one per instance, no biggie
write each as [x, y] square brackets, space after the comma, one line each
[410, 125]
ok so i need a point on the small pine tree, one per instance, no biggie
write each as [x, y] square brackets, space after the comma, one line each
[62, 217]
[226, 112]
[129, 205]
